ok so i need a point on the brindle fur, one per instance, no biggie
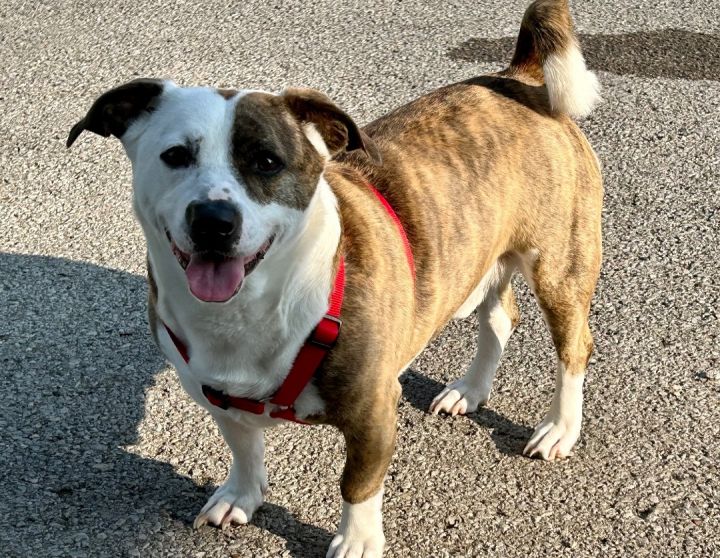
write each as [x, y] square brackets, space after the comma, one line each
[544, 28]
[264, 123]
[476, 171]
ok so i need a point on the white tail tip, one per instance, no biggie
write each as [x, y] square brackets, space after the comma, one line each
[572, 88]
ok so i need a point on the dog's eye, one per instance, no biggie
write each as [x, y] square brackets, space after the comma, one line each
[177, 157]
[265, 162]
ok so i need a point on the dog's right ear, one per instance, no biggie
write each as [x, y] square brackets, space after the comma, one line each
[337, 129]
[114, 111]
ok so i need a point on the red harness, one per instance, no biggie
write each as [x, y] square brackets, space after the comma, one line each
[312, 353]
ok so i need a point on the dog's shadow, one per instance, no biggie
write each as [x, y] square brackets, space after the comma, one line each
[662, 53]
[509, 437]
[77, 361]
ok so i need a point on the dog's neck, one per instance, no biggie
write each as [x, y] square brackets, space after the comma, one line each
[285, 297]
[300, 273]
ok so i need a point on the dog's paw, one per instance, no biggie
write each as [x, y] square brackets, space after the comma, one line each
[553, 439]
[229, 505]
[459, 398]
[348, 547]
[360, 534]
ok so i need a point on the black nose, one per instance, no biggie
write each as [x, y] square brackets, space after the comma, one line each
[214, 225]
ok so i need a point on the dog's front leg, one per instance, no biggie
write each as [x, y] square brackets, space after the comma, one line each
[243, 490]
[370, 443]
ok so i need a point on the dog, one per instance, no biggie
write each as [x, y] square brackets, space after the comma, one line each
[298, 263]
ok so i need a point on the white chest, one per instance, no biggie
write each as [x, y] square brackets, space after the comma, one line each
[239, 374]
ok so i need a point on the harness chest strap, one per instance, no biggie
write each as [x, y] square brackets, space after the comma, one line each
[308, 360]
[311, 354]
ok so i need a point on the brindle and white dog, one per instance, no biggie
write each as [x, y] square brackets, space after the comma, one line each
[249, 199]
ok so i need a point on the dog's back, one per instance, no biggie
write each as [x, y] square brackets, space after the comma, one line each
[488, 166]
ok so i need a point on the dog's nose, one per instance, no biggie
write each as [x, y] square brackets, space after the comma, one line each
[214, 225]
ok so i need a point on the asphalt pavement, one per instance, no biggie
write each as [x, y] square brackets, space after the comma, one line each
[102, 453]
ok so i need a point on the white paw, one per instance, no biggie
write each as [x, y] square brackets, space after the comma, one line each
[553, 439]
[349, 547]
[459, 398]
[360, 534]
[556, 435]
[229, 505]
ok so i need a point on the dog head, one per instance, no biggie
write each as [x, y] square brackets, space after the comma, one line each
[219, 176]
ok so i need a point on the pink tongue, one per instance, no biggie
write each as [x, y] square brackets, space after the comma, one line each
[214, 281]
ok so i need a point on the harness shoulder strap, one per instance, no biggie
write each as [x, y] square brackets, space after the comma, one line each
[318, 345]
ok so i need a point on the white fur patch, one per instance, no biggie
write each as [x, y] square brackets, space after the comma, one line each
[556, 435]
[309, 402]
[219, 193]
[572, 88]
[230, 343]
[316, 139]
[360, 532]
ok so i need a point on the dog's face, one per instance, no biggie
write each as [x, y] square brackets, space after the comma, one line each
[220, 176]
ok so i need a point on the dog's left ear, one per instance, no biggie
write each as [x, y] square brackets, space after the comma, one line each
[114, 111]
[335, 126]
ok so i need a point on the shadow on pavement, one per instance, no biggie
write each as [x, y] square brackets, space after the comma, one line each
[77, 360]
[302, 540]
[664, 53]
[509, 438]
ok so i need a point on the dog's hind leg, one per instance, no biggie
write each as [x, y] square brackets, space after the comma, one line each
[563, 290]
[243, 491]
[498, 316]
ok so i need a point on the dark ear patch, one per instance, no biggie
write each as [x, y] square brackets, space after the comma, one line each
[337, 129]
[114, 111]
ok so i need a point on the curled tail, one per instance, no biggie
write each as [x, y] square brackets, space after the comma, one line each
[548, 51]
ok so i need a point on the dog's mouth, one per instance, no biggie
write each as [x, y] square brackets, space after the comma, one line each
[214, 276]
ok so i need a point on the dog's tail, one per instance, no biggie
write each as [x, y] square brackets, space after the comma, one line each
[547, 50]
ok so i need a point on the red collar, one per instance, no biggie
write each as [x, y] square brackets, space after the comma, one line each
[312, 353]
